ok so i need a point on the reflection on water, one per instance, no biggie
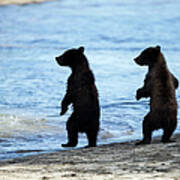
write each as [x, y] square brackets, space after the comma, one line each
[113, 33]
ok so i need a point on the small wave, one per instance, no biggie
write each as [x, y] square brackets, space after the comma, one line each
[19, 126]
[125, 40]
[132, 104]
[104, 135]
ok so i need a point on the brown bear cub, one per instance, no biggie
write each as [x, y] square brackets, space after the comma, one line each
[160, 86]
[83, 95]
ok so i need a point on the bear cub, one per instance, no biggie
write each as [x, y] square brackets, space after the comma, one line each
[160, 86]
[82, 94]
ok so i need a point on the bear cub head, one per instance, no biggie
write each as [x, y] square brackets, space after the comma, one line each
[71, 57]
[149, 56]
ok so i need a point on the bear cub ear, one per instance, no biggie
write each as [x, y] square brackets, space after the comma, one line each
[81, 49]
[158, 48]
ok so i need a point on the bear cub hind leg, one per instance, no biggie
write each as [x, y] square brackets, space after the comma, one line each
[147, 131]
[167, 134]
[92, 137]
[72, 139]
[72, 132]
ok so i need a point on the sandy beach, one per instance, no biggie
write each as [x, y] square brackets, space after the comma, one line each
[6, 2]
[112, 161]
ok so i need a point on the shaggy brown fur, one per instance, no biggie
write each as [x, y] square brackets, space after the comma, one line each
[82, 93]
[159, 85]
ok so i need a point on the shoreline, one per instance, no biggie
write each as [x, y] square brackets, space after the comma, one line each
[20, 2]
[110, 161]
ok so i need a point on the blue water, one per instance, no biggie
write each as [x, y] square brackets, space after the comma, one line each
[113, 33]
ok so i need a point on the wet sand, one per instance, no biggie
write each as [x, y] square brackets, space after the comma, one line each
[113, 161]
[7, 2]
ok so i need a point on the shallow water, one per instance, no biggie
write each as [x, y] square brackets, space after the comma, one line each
[113, 33]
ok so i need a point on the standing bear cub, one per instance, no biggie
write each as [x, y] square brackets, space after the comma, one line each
[160, 86]
[82, 94]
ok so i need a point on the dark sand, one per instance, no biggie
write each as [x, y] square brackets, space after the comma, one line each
[113, 161]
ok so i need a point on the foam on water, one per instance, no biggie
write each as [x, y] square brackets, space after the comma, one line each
[20, 126]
